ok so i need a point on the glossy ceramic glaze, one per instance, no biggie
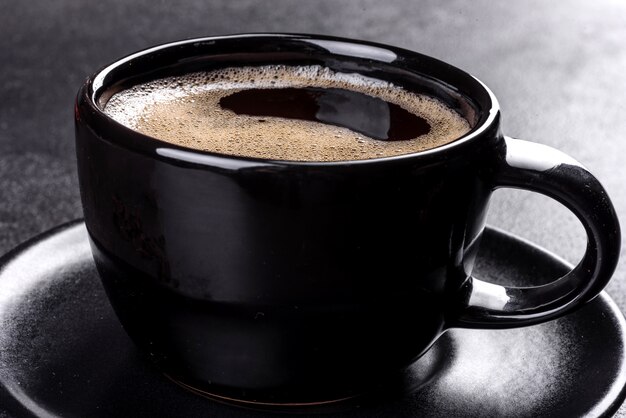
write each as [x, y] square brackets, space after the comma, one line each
[64, 353]
[260, 279]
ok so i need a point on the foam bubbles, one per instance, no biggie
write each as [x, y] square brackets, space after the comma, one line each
[185, 111]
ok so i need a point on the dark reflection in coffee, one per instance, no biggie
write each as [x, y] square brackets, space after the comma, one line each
[359, 112]
[304, 113]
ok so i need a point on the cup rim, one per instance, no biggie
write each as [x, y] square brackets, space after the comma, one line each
[88, 94]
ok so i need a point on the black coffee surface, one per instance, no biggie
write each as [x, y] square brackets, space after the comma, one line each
[359, 112]
[293, 113]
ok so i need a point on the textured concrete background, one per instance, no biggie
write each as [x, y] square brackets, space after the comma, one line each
[558, 69]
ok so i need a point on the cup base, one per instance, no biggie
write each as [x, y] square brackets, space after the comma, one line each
[318, 398]
[229, 398]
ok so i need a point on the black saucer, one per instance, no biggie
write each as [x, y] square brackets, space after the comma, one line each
[63, 353]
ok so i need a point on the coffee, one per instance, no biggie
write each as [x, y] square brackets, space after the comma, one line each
[305, 113]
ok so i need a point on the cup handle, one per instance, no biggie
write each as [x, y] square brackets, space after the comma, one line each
[545, 170]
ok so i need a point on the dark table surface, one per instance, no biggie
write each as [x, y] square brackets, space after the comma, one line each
[558, 69]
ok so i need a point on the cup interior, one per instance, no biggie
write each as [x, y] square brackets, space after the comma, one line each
[410, 70]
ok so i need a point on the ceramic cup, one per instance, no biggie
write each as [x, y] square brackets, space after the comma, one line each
[281, 282]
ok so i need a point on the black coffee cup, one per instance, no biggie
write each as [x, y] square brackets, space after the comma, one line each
[296, 282]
